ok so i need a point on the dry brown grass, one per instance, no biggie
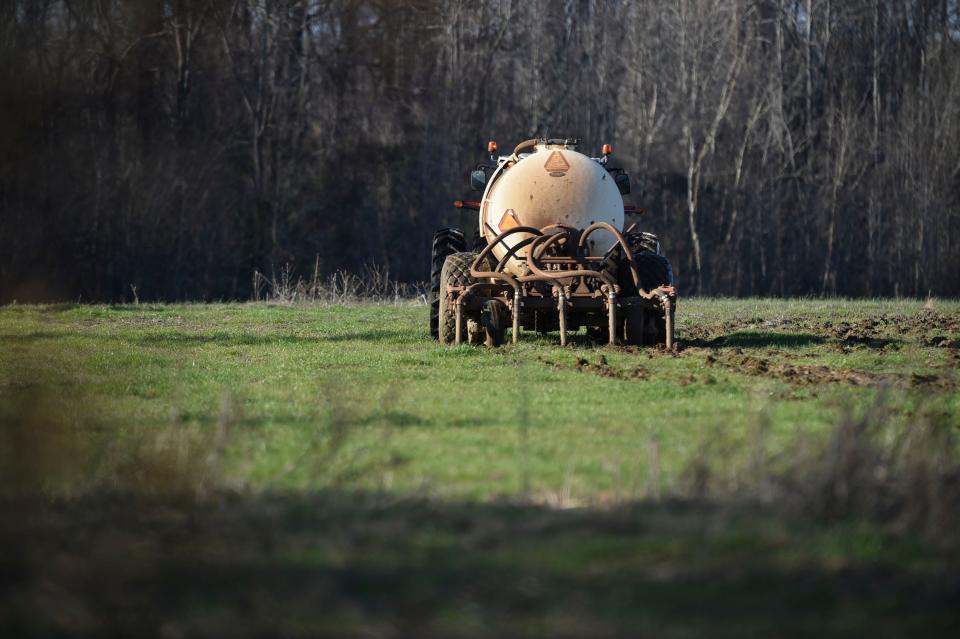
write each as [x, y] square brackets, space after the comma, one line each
[374, 283]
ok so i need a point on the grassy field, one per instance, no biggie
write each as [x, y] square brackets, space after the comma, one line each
[250, 469]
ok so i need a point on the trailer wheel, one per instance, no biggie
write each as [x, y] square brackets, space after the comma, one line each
[455, 272]
[446, 241]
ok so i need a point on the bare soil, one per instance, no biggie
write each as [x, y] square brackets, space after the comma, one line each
[736, 345]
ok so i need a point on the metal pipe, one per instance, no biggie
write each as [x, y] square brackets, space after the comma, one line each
[634, 271]
[458, 323]
[543, 242]
[562, 307]
[547, 240]
[516, 316]
[511, 252]
[612, 314]
[668, 320]
[616, 243]
[500, 238]
[509, 279]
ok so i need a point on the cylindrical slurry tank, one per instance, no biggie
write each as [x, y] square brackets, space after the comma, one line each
[554, 184]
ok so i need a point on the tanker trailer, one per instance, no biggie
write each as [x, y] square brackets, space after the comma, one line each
[555, 250]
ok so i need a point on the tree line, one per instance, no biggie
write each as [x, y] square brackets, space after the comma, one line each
[175, 147]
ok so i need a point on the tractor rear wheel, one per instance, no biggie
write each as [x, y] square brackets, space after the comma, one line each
[649, 327]
[645, 327]
[654, 270]
[455, 272]
[446, 241]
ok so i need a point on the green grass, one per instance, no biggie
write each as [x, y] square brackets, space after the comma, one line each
[425, 489]
[519, 421]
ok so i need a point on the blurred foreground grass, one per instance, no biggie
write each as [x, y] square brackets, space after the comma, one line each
[329, 470]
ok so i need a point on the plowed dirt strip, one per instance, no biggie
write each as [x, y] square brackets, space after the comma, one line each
[727, 345]
[927, 327]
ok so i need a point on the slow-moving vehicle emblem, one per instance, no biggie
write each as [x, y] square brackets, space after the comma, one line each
[509, 220]
[557, 165]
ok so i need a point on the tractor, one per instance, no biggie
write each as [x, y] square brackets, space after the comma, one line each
[552, 251]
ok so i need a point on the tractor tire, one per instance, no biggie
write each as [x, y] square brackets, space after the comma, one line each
[655, 271]
[446, 241]
[640, 242]
[644, 329]
[455, 272]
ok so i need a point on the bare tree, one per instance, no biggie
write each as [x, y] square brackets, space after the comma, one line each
[778, 146]
[710, 56]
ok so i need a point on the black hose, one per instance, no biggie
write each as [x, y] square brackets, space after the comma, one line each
[526, 144]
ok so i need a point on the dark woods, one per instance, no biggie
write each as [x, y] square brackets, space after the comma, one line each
[779, 147]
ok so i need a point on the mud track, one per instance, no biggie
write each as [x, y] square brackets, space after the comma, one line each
[926, 328]
[884, 332]
[804, 375]
[602, 368]
[729, 345]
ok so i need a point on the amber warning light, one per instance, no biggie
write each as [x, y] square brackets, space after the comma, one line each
[607, 149]
[491, 146]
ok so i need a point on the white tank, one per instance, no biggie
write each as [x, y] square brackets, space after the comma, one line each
[553, 185]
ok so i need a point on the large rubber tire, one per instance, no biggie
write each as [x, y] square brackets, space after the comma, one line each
[446, 241]
[654, 270]
[455, 272]
[640, 242]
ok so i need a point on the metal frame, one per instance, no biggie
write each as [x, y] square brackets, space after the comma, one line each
[560, 277]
